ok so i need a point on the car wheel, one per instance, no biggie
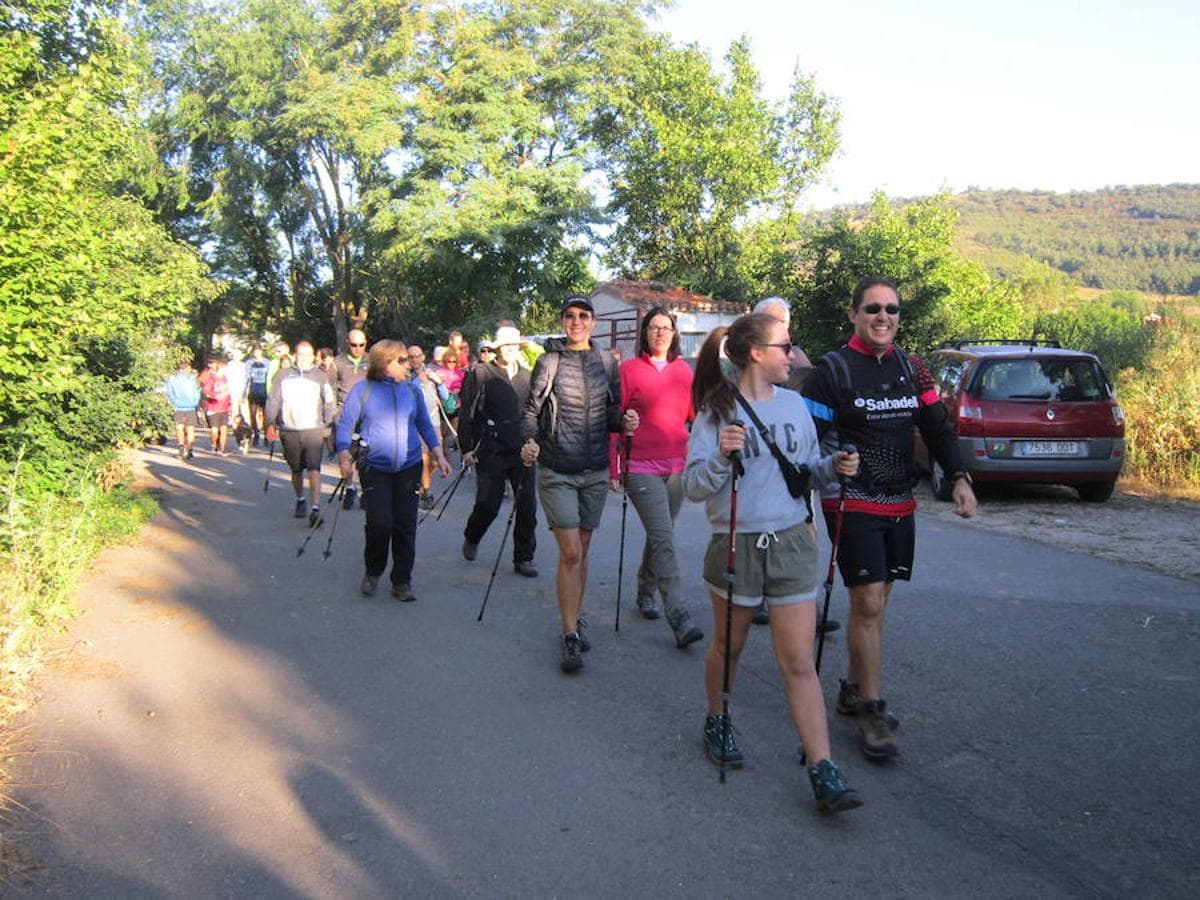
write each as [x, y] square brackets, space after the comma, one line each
[1095, 491]
[942, 489]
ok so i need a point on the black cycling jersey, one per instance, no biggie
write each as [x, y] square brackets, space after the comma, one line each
[876, 409]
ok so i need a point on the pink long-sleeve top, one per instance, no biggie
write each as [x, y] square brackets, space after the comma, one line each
[662, 395]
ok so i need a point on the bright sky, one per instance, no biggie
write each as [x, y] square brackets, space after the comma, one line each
[1028, 94]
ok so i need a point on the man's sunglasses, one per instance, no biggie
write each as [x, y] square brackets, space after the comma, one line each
[358, 343]
[873, 309]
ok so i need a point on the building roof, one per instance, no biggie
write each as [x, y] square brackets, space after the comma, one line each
[644, 294]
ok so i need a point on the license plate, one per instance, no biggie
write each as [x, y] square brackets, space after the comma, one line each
[1050, 448]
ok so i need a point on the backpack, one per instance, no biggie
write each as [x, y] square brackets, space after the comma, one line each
[840, 370]
[546, 398]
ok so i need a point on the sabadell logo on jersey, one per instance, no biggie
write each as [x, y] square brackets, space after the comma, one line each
[909, 402]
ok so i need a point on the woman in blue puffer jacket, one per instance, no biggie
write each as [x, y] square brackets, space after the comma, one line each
[390, 420]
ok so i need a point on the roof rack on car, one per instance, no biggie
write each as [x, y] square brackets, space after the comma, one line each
[959, 343]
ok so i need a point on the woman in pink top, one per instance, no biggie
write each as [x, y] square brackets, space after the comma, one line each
[658, 384]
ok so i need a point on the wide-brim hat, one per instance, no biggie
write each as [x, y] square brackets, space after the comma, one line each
[506, 335]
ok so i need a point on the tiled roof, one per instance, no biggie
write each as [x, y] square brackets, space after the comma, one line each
[645, 294]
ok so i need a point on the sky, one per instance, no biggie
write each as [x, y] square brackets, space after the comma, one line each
[1052, 95]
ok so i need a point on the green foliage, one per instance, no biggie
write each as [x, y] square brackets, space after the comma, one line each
[86, 275]
[691, 154]
[943, 295]
[1109, 330]
[1141, 238]
[46, 542]
[1161, 400]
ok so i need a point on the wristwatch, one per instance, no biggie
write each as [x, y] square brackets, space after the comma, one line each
[964, 475]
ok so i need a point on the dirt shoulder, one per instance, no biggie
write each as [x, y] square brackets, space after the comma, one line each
[1154, 533]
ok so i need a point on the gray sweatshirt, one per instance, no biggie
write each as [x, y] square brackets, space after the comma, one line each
[764, 503]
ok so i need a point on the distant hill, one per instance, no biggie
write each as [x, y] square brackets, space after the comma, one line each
[1133, 238]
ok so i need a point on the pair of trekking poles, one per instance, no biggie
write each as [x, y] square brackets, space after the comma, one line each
[334, 496]
[731, 572]
[622, 472]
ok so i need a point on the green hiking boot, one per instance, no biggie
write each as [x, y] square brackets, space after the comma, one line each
[718, 732]
[830, 789]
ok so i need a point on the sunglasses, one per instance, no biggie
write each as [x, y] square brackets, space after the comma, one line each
[358, 344]
[581, 317]
[785, 346]
[873, 309]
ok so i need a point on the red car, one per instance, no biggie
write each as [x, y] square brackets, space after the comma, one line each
[1029, 411]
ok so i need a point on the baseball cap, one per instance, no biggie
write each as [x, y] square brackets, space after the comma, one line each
[578, 303]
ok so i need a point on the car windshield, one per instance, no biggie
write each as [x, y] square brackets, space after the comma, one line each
[1064, 380]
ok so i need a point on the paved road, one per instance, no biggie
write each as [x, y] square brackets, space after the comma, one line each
[229, 720]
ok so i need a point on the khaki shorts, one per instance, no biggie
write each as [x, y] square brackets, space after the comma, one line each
[779, 567]
[575, 500]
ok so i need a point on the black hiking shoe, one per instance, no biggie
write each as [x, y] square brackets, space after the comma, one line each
[525, 568]
[719, 730]
[761, 615]
[348, 498]
[648, 606]
[584, 644]
[369, 583]
[572, 658]
[849, 701]
[875, 735]
[314, 517]
[470, 549]
[426, 501]
[190, 454]
[404, 593]
[301, 508]
[830, 789]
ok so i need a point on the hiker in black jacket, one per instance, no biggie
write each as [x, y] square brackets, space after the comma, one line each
[574, 402]
[489, 433]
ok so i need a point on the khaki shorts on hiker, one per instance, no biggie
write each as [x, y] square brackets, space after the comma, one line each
[779, 567]
[574, 500]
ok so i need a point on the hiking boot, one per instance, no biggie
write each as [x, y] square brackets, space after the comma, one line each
[686, 633]
[314, 517]
[849, 701]
[648, 606]
[571, 660]
[369, 583]
[470, 549]
[584, 644]
[875, 735]
[301, 508]
[830, 789]
[182, 452]
[830, 626]
[426, 500]
[190, 454]
[404, 593]
[348, 498]
[761, 615]
[525, 567]
[718, 729]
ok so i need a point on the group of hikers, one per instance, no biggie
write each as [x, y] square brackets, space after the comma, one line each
[573, 423]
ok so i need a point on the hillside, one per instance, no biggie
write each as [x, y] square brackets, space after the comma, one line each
[1137, 238]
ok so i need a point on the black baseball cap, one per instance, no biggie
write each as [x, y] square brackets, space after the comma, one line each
[578, 303]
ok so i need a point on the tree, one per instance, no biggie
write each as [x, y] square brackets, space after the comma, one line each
[87, 277]
[693, 155]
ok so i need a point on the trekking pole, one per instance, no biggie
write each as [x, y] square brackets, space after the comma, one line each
[730, 571]
[270, 460]
[623, 474]
[337, 511]
[837, 540]
[448, 489]
[450, 495]
[312, 529]
[500, 553]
